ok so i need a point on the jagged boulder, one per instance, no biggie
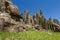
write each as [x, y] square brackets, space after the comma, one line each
[13, 11]
[5, 16]
[37, 27]
[16, 28]
[56, 29]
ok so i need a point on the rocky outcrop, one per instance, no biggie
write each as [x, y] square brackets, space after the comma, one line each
[2, 21]
[5, 16]
[12, 20]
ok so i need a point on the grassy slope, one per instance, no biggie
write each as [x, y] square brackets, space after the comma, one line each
[30, 35]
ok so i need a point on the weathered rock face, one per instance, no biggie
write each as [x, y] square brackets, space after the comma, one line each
[12, 20]
[2, 5]
[2, 21]
[13, 11]
[6, 16]
[9, 16]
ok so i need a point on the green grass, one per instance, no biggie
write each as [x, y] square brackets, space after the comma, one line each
[30, 35]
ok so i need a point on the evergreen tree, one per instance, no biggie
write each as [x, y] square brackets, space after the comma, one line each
[41, 19]
[45, 25]
[26, 16]
[41, 14]
[50, 23]
[36, 17]
[56, 21]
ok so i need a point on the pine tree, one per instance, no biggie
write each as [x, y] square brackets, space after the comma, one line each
[56, 21]
[36, 17]
[50, 23]
[26, 15]
[45, 23]
[41, 14]
[41, 18]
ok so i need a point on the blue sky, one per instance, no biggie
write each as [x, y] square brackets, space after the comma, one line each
[49, 7]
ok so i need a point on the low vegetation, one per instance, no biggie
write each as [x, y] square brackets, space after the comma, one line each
[30, 35]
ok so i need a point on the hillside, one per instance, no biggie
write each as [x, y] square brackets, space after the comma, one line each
[12, 19]
[15, 25]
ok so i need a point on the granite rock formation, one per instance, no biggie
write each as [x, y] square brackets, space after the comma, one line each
[12, 20]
